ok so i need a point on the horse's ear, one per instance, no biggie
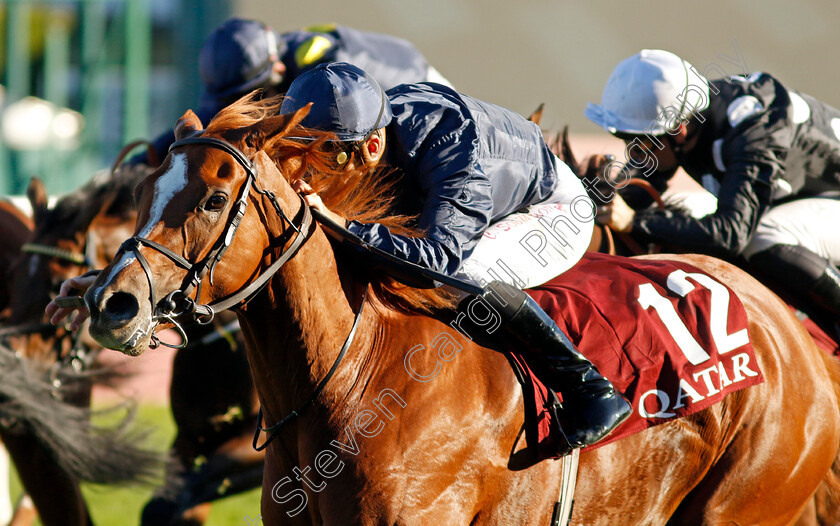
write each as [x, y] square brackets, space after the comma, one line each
[189, 124]
[37, 194]
[94, 205]
[279, 125]
[536, 115]
[566, 153]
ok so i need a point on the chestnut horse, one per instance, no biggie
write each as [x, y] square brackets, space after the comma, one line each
[213, 402]
[596, 169]
[819, 325]
[368, 443]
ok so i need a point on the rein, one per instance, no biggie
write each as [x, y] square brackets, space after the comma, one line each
[627, 238]
[55, 252]
[84, 258]
[276, 428]
[203, 314]
[79, 357]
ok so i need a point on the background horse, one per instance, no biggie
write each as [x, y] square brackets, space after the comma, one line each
[16, 228]
[369, 443]
[50, 436]
[211, 394]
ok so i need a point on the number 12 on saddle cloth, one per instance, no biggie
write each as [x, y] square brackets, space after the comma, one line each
[670, 337]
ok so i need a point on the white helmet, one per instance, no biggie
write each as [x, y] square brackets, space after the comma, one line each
[649, 93]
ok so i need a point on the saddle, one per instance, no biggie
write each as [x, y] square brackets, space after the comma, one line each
[667, 335]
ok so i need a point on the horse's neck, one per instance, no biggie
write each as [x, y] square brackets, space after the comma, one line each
[297, 326]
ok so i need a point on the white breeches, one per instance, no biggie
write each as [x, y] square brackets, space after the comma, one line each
[529, 248]
[433, 75]
[811, 222]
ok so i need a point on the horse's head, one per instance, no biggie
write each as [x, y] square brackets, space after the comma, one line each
[58, 249]
[210, 219]
[597, 168]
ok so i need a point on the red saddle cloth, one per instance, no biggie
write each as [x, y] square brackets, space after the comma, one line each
[670, 337]
[821, 338]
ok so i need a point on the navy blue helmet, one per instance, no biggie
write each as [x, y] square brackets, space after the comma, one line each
[346, 101]
[237, 58]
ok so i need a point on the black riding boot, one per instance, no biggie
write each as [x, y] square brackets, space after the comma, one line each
[802, 271]
[825, 291]
[591, 407]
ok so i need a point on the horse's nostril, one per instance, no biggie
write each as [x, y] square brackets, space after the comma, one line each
[121, 306]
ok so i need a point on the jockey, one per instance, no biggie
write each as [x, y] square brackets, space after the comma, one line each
[243, 55]
[467, 164]
[771, 156]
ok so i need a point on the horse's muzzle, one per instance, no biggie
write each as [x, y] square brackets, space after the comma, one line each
[117, 321]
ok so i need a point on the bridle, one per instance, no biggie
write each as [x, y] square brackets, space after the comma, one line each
[76, 258]
[178, 303]
[58, 253]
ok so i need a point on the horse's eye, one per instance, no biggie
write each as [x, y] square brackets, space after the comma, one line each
[216, 202]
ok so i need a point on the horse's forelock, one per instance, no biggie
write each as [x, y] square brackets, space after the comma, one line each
[243, 113]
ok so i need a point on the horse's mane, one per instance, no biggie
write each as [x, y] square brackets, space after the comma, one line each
[356, 194]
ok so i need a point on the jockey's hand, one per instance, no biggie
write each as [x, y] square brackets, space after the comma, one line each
[314, 200]
[616, 214]
[71, 287]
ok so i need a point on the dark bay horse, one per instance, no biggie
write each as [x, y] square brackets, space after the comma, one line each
[373, 445]
[16, 228]
[211, 394]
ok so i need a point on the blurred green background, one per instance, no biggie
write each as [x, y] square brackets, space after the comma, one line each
[81, 78]
[122, 506]
[126, 69]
